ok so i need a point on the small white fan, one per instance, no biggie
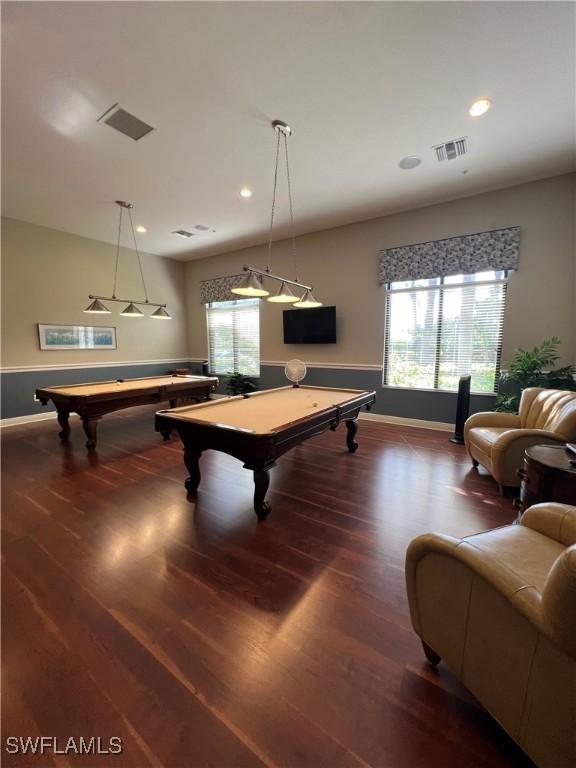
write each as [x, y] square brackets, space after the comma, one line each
[295, 370]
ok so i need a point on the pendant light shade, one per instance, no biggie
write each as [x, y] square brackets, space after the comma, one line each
[161, 314]
[250, 285]
[284, 295]
[97, 308]
[308, 301]
[131, 311]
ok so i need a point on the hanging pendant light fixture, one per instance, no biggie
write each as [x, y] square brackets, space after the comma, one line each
[284, 295]
[97, 308]
[160, 314]
[308, 301]
[251, 284]
[131, 310]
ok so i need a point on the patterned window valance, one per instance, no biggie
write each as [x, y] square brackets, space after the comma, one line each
[218, 289]
[463, 255]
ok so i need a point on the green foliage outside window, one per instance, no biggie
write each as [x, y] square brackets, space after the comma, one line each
[431, 343]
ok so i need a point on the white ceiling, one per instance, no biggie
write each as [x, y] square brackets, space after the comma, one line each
[362, 85]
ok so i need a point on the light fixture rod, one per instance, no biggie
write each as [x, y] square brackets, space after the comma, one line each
[128, 301]
[139, 258]
[293, 230]
[121, 205]
[270, 275]
[273, 201]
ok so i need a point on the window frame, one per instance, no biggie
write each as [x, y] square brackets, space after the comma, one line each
[441, 285]
[208, 306]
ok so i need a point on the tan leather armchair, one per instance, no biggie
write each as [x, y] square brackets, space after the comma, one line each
[500, 609]
[498, 440]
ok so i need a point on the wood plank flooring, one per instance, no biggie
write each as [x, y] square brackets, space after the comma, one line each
[204, 639]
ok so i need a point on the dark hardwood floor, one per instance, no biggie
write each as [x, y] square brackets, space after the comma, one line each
[202, 638]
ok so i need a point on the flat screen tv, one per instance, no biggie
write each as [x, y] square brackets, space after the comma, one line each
[310, 326]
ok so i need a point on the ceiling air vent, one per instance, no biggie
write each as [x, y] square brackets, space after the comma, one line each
[451, 149]
[123, 121]
[182, 233]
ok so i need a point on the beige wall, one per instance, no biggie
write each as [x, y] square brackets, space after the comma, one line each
[341, 264]
[48, 274]
[46, 278]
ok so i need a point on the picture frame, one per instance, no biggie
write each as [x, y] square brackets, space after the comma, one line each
[70, 337]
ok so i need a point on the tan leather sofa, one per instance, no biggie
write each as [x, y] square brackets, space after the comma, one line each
[500, 609]
[498, 440]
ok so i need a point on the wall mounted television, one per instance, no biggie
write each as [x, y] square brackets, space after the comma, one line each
[310, 326]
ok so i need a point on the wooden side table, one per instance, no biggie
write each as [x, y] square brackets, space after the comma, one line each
[547, 475]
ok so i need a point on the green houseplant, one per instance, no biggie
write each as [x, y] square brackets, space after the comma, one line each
[239, 384]
[533, 368]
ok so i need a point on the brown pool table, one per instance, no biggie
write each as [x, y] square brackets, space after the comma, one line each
[259, 427]
[91, 401]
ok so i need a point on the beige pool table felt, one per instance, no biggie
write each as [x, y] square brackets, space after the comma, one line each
[267, 411]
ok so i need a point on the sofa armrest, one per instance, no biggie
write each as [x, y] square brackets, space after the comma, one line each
[530, 436]
[491, 419]
[526, 599]
[551, 612]
[556, 521]
[417, 550]
[559, 601]
[479, 562]
[508, 450]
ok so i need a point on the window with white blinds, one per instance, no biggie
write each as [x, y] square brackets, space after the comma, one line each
[442, 328]
[234, 336]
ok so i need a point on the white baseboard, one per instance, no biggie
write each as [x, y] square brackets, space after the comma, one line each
[442, 426]
[15, 420]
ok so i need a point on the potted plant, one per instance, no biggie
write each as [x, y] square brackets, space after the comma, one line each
[533, 368]
[239, 384]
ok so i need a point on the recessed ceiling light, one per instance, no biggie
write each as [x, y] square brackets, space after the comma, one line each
[407, 163]
[480, 107]
[140, 229]
[245, 192]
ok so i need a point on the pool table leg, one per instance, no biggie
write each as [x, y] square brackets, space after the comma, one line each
[192, 461]
[351, 429]
[261, 483]
[90, 425]
[64, 421]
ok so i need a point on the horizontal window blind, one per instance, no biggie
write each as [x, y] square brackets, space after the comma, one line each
[442, 328]
[234, 336]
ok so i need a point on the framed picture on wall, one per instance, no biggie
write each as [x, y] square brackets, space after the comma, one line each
[76, 337]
